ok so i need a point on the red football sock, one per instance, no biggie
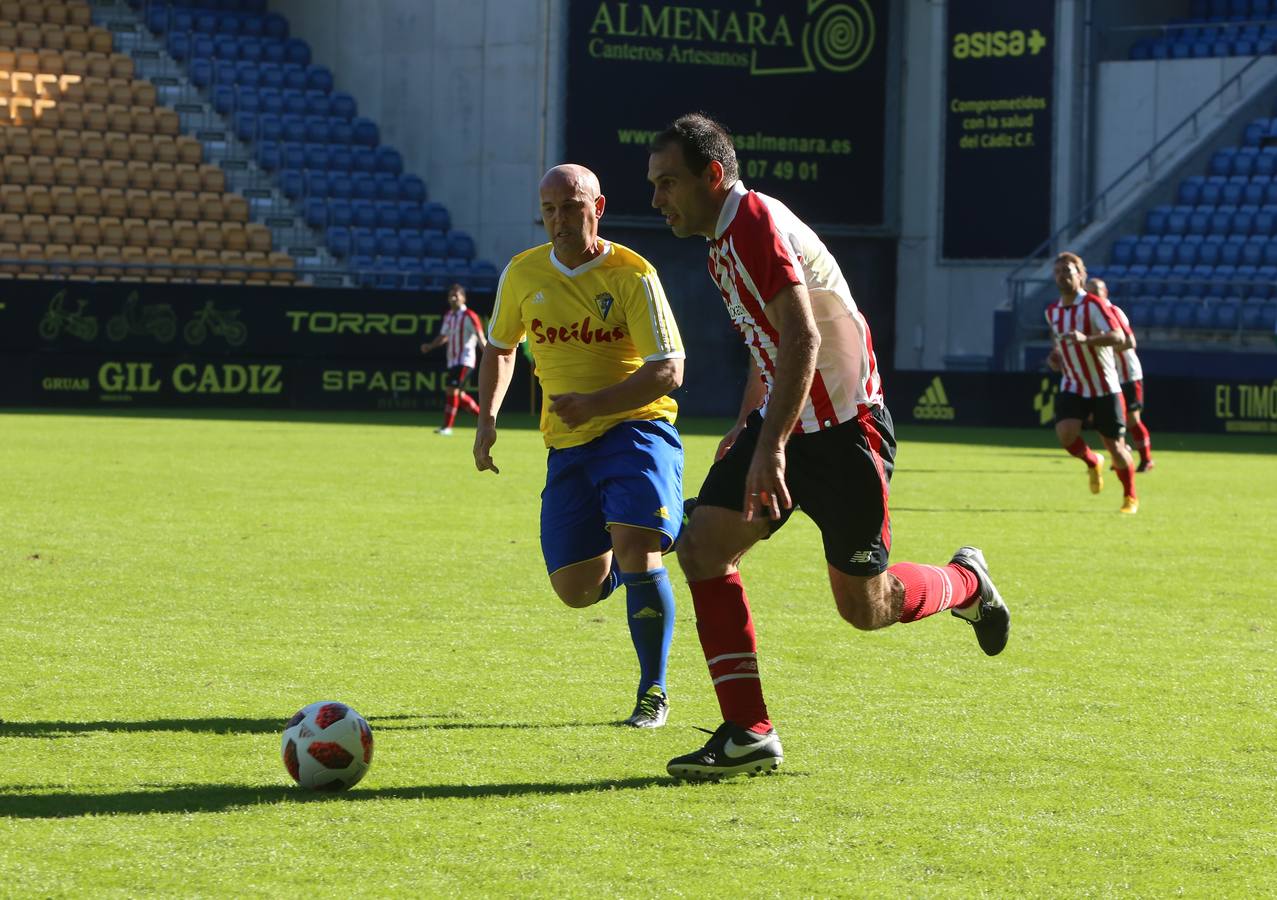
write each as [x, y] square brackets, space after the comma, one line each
[449, 411]
[1127, 477]
[933, 589]
[1079, 449]
[1142, 443]
[727, 638]
[468, 403]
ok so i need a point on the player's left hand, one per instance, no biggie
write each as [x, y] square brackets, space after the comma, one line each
[765, 491]
[574, 409]
[1077, 337]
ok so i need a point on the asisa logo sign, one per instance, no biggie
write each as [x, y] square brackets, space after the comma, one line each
[583, 331]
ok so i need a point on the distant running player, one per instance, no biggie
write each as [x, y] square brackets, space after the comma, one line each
[813, 433]
[1086, 332]
[463, 333]
[1131, 375]
[608, 353]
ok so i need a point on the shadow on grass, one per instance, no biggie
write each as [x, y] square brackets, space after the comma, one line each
[192, 798]
[269, 726]
[224, 725]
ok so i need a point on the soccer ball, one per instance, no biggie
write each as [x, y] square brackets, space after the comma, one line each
[327, 746]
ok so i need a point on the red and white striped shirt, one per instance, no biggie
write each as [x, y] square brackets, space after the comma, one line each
[1128, 364]
[760, 248]
[462, 326]
[1088, 370]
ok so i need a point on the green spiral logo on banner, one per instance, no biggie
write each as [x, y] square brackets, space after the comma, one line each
[842, 38]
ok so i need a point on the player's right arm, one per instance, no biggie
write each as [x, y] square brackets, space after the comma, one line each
[496, 368]
[753, 397]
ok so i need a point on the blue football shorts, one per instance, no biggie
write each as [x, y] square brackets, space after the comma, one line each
[632, 474]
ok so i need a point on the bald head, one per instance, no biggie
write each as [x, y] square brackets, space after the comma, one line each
[1097, 287]
[574, 178]
[571, 204]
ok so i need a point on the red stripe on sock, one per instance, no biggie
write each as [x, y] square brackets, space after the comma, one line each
[468, 403]
[1127, 477]
[726, 630]
[1079, 449]
[933, 589]
[449, 411]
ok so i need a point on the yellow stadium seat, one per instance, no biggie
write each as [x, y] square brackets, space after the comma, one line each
[88, 200]
[233, 236]
[112, 231]
[9, 250]
[113, 202]
[235, 208]
[61, 231]
[159, 257]
[8, 38]
[94, 90]
[117, 145]
[94, 144]
[140, 176]
[183, 260]
[56, 13]
[259, 237]
[79, 14]
[97, 63]
[210, 235]
[119, 119]
[188, 178]
[73, 61]
[139, 203]
[186, 234]
[29, 35]
[63, 197]
[187, 206]
[83, 256]
[100, 40]
[165, 148]
[211, 206]
[168, 122]
[144, 94]
[163, 206]
[42, 170]
[189, 150]
[39, 200]
[165, 177]
[32, 256]
[11, 229]
[69, 143]
[94, 117]
[120, 92]
[121, 66]
[136, 234]
[13, 198]
[16, 169]
[257, 261]
[35, 228]
[52, 37]
[161, 233]
[144, 119]
[87, 230]
[116, 174]
[212, 178]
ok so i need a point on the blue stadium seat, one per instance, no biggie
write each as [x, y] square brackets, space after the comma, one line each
[245, 125]
[387, 186]
[1268, 316]
[316, 103]
[294, 77]
[1253, 193]
[1243, 280]
[181, 20]
[250, 50]
[342, 106]
[411, 242]
[1190, 190]
[226, 48]
[246, 99]
[388, 160]
[387, 241]
[1184, 311]
[339, 212]
[1256, 131]
[293, 155]
[388, 277]
[269, 156]
[1243, 221]
[1231, 192]
[272, 100]
[201, 72]
[363, 160]
[1155, 219]
[252, 25]
[291, 183]
[1222, 279]
[202, 46]
[436, 274]
[273, 52]
[1177, 220]
[460, 245]
[411, 215]
[1124, 250]
[436, 244]
[365, 132]
[388, 215]
[1264, 286]
[483, 276]
[1221, 220]
[1161, 317]
[294, 128]
[340, 131]
[340, 185]
[1173, 249]
[316, 156]
[1266, 162]
[269, 75]
[1201, 315]
[1156, 278]
[157, 19]
[363, 213]
[317, 129]
[316, 183]
[228, 24]
[319, 78]
[1251, 314]
[206, 22]
[1227, 314]
[364, 185]
[412, 188]
[223, 99]
[1230, 253]
[437, 216]
[1199, 219]
[363, 242]
[297, 51]
[1244, 161]
[1253, 251]
[1221, 162]
[247, 73]
[275, 26]
[315, 212]
[1270, 252]
[1208, 250]
[459, 271]
[1141, 312]
[1177, 280]
[179, 46]
[268, 128]
[340, 158]
[362, 267]
[294, 102]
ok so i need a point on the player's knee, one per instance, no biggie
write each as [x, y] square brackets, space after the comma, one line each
[578, 597]
[696, 556]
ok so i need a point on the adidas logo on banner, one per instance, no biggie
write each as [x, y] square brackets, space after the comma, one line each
[934, 403]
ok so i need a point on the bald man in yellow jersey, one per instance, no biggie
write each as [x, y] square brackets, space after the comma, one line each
[608, 353]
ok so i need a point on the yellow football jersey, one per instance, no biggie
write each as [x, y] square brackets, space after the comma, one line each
[590, 328]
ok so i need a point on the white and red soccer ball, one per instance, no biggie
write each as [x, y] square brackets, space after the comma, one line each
[327, 746]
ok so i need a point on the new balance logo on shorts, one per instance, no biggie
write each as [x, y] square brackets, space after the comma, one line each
[862, 556]
[934, 403]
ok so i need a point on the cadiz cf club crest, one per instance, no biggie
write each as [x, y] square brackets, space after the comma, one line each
[604, 303]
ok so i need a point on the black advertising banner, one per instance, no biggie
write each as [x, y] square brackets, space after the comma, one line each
[999, 107]
[800, 83]
[1027, 400]
[127, 345]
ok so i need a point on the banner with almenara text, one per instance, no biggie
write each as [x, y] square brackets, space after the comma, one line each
[800, 83]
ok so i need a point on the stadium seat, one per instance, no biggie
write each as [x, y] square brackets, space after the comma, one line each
[411, 242]
[339, 212]
[411, 215]
[387, 242]
[316, 212]
[340, 185]
[365, 132]
[460, 245]
[437, 216]
[388, 159]
[387, 186]
[342, 106]
[363, 213]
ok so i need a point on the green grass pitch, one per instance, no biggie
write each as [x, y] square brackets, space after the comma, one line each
[172, 589]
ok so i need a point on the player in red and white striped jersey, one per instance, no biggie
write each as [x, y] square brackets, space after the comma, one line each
[463, 333]
[813, 433]
[1086, 332]
[1131, 376]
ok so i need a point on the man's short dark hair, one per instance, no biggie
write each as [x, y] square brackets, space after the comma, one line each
[702, 140]
[457, 286]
